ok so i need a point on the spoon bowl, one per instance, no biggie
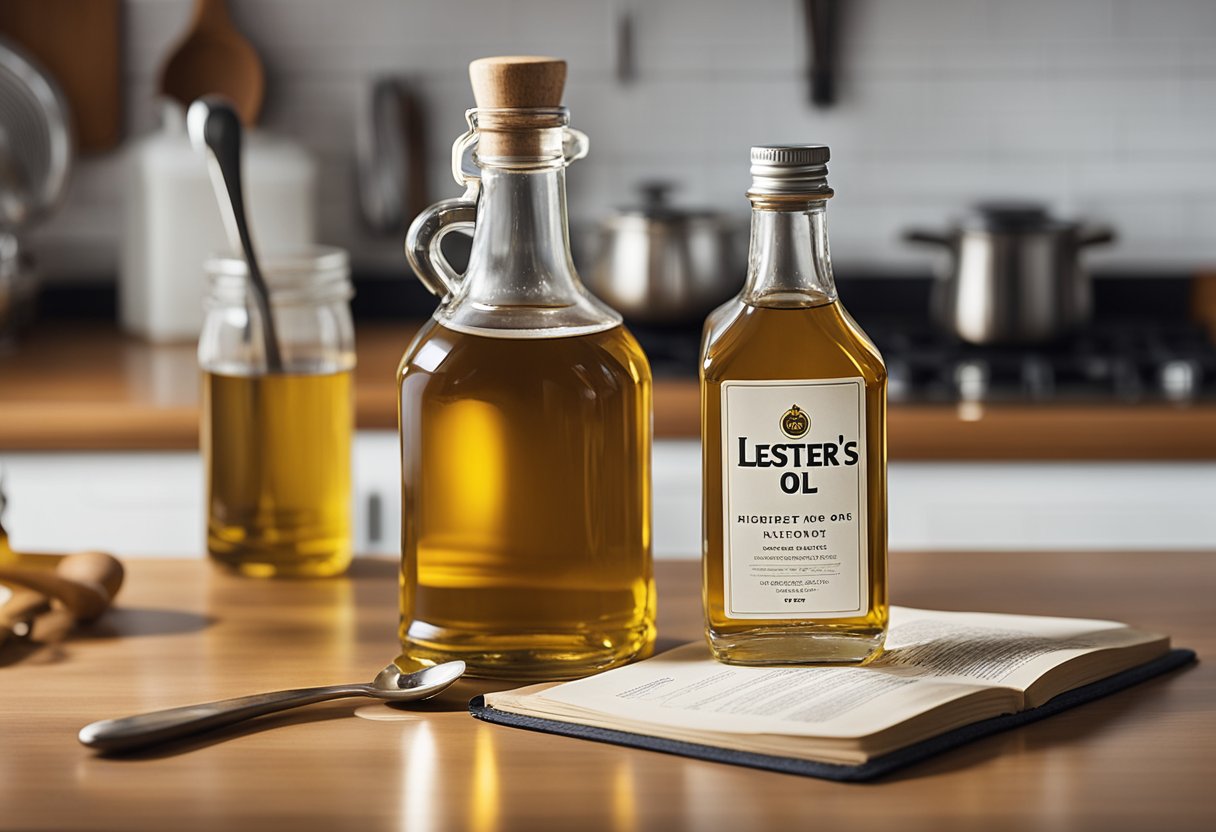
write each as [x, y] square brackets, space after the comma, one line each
[392, 685]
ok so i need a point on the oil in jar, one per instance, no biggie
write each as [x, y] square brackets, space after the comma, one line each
[276, 450]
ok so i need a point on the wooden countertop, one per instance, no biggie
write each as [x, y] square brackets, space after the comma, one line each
[1140, 759]
[86, 387]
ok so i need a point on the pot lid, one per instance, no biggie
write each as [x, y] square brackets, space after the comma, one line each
[656, 206]
[1013, 216]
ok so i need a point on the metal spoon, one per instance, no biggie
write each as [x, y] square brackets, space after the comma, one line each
[215, 127]
[133, 732]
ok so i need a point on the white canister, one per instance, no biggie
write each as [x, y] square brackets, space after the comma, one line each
[173, 225]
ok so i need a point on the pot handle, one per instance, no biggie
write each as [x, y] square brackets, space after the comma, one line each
[426, 233]
[1096, 236]
[916, 235]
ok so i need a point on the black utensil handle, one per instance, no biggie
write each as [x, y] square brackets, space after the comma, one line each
[916, 235]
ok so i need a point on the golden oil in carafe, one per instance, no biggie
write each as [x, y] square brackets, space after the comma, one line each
[526, 502]
[277, 454]
[793, 408]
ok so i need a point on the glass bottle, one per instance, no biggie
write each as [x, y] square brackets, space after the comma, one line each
[525, 417]
[277, 446]
[794, 451]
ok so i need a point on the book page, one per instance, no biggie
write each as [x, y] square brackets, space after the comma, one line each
[685, 688]
[994, 649]
[980, 664]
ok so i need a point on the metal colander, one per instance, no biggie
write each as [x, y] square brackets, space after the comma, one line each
[35, 139]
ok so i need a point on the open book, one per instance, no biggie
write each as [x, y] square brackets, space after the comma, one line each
[940, 671]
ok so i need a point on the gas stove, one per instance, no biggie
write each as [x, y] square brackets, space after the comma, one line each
[1125, 362]
[1113, 361]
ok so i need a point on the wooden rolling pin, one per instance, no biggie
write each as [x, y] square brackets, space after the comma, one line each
[84, 582]
[18, 613]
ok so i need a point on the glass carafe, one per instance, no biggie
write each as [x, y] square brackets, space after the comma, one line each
[525, 417]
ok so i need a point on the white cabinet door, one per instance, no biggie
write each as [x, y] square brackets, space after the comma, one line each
[378, 493]
[994, 506]
[1039, 505]
[127, 503]
[152, 503]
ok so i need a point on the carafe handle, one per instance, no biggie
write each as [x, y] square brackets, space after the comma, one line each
[426, 233]
[422, 241]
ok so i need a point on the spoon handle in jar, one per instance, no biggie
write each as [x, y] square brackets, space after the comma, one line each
[214, 124]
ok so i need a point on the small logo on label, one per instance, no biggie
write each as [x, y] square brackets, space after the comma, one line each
[795, 422]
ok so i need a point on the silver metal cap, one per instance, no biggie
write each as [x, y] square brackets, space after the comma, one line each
[790, 170]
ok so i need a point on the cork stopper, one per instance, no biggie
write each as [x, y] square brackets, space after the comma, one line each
[519, 82]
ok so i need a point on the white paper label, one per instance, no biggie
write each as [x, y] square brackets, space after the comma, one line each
[794, 507]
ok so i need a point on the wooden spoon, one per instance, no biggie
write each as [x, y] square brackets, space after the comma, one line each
[84, 582]
[212, 58]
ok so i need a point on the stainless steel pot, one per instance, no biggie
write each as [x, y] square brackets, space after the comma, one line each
[1014, 275]
[35, 161]
[18, 289]
[663, 265]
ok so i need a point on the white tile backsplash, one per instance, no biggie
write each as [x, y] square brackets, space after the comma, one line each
[1177, 18]
[1105, 108]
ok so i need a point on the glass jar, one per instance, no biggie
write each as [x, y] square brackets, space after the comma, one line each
[277, 446]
